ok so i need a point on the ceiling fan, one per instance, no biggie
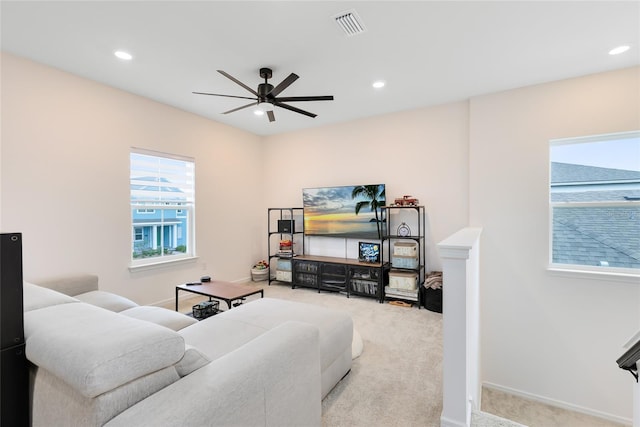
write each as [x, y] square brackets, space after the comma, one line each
[266, 97]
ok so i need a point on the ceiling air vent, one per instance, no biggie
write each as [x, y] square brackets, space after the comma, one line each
[350, 23]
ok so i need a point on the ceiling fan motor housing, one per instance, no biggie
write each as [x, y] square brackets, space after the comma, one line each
[263, 90]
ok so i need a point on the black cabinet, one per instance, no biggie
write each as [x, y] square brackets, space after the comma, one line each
[285, 241]
[306, 273]
[367, 281]
[333, 277]
[14, 390]
[345, 275]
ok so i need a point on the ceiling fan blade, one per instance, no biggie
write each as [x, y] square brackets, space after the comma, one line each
[240, 108]
[233, 79]
[294, 109]
[304, 98]
[272, 117]
[283, 85]
[227, 96]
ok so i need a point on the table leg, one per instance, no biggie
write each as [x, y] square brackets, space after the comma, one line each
[177, 289]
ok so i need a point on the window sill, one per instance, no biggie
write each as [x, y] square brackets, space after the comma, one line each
[162, 264]
[580, 273]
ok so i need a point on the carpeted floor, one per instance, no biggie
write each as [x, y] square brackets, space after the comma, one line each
[397, 380]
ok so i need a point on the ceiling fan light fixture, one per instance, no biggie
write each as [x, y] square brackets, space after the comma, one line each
[263, 107]
[620, 49]
[121, 54]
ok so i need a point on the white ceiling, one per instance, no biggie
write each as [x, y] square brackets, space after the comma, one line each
[428, 52]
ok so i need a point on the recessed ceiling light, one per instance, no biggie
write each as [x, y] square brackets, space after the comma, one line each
[379, 84]
[258, 112]
[123, 55]
[618, 50]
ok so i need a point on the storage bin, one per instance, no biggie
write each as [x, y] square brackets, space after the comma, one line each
[284, 264]
[432, 299]
[205, 309]
[400, 261]
[405, 249]
[403, 280]
[283, 276]
[259, 274]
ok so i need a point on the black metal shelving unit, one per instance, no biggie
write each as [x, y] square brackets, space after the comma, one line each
[282, 261]
[413, 217]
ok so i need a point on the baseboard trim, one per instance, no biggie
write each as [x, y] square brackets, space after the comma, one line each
[559, 403]
[447, 422]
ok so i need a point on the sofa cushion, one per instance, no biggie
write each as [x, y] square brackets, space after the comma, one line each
[106, 300]
[336, 327]
[192, 360]
[160, 316]
[95, 350]
[35, 297]
[216, 336]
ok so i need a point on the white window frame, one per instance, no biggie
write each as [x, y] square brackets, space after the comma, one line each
[579, 270]
[186, 207]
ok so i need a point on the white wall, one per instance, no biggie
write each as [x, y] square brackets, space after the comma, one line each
[549, 337]
[64, 183]
[421, 152]
[65, 180]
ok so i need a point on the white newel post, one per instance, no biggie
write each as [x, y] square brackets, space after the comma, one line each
[636, 386]
[636, 401]
[461, 390]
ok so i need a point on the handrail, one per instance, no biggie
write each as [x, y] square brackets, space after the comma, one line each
[629, 360]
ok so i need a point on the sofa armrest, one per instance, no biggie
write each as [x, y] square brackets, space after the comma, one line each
[273, 380]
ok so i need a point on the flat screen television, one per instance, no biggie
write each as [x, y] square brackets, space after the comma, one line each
[368, 252]
[346, 211]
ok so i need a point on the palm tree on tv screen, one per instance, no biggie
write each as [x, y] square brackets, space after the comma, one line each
[375, 198]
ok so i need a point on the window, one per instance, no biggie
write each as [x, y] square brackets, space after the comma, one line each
[162, 207]
[594, 196]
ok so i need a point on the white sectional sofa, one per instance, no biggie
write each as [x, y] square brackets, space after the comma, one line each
[100, 359]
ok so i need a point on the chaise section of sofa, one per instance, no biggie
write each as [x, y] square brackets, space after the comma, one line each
[97, 358]
[273, 380]
[249, 321]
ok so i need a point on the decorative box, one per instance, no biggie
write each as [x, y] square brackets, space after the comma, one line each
[284, 264]
[283, 276]
[205, 309]
[405, 249]
[403, 280]
[399, 261]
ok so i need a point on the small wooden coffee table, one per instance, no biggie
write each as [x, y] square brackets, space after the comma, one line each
[225, 291]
